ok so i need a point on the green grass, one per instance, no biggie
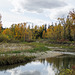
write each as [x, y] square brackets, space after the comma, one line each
[54, 43]
[67, 72]
[39, 49]
[62, 46]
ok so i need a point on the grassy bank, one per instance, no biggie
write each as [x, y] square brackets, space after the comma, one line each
[9, 48]
[32, 47]
[10, 52]
[60, 44]
[10, 60]
[65, 46]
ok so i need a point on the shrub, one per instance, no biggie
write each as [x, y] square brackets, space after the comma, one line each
[4, 38]
[12, 40]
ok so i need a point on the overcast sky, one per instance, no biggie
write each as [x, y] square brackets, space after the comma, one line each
[35, 11]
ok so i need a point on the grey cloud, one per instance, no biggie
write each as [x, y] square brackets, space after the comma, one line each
[41, 5]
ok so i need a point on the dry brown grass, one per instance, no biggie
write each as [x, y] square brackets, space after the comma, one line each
[4, 47]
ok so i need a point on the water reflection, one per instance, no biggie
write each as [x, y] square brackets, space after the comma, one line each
[62, 62]
[19, 72]
[33, 68]
[49, 66]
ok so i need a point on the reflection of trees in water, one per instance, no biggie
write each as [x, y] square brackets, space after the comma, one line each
[61, 62]
[2, 68]
[56, 63]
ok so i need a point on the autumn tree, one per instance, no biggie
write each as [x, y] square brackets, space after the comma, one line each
[35, 32]
[67, 23]
[50, 32]
[7, 32]
[63, 23]
[45, 27]
[58, 31]
[72, 15]
[21, 32]
[43, 35]
[65, 29]
[68, 28]
[12, 28]
[41, 29]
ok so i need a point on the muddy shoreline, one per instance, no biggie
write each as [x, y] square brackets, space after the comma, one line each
[43, 55]
[12, 59]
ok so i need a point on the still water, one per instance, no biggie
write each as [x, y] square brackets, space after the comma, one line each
[48, 66]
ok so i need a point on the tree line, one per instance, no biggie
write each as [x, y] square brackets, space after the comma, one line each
[64, 30]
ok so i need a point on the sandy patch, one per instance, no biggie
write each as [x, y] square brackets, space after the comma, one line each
[42, 55]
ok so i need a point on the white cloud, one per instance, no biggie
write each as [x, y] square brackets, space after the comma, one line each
[50, 70]
[8, 19]
[20, 72]
[35, 63]
[61, 12]
[50, 9]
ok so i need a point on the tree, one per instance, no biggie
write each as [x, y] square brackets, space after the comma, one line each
[45, 27]
[63, 22]
[72, 15]
[7, 32]
[73, 28]
[43, 35]
[50, 32]
[68, 28]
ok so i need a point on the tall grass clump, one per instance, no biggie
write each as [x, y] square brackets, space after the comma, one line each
[10, 60]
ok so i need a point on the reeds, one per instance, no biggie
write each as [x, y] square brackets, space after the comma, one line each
[10, 60]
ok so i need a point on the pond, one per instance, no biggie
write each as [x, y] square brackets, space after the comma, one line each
[48, 66]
